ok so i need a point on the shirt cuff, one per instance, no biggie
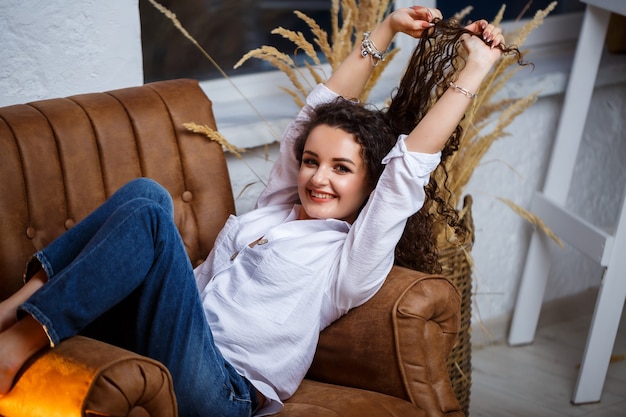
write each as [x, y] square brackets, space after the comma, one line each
[423, 163]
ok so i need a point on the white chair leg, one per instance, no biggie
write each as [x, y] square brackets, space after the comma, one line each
[605, 321]
[531, 291]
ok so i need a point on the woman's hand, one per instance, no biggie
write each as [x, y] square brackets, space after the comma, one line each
[483, 47]
[413, 20]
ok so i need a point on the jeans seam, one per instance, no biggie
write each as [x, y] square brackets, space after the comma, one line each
[43, 320]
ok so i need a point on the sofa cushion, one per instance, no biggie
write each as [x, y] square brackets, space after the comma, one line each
[326, 400]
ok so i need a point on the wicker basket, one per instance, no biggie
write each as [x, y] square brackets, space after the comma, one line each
[457, 267]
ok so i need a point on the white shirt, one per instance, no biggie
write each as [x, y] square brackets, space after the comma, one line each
[267, 300]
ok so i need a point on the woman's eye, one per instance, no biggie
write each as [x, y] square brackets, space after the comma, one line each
[309, 162]
[343, 169]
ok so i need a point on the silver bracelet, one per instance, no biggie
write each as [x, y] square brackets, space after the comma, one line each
[463, 91]
[368, 48]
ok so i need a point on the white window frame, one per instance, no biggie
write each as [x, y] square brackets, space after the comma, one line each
[238, 117]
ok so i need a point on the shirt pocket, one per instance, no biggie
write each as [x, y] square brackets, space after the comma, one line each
[276, 288]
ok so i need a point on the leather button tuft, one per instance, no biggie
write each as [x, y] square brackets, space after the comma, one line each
[30, 232]
[187, 196]
[69, 223]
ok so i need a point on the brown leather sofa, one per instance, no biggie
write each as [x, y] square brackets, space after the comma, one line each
[61, 158]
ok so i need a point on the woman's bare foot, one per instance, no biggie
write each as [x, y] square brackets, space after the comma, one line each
[17, 344]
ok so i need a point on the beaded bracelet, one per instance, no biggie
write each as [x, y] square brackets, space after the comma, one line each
[368, 48]
[463, 91]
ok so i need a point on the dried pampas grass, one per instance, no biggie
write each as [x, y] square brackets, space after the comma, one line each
[349, 19]
[533, 219]
[215, 136]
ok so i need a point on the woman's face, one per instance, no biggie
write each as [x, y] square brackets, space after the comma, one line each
[332, 182]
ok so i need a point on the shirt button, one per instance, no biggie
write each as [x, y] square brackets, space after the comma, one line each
[234, 255]
[262, 242]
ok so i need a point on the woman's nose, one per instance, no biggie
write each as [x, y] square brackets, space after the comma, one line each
[320, 177]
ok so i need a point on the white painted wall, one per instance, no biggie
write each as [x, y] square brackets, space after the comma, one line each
[58, 48]
[49, 49]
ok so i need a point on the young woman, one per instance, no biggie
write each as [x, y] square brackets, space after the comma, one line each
[239, 333]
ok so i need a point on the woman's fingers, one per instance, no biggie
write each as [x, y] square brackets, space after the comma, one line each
[414, 20]
[478, 26]
[493, 35]
[427, 14]
[490, 33]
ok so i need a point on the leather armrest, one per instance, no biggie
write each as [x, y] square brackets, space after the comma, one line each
[85, 377]
[397, 342]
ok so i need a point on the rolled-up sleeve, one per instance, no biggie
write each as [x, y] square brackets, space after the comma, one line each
[282, 183]
[368, 253]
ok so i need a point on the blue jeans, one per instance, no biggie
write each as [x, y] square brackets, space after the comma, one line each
[122, 276]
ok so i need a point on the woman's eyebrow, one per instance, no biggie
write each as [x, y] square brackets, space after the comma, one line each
[348, 160]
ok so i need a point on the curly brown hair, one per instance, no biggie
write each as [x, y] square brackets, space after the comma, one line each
[434, 63]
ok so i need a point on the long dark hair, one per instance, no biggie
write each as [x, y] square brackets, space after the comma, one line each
[434, 63]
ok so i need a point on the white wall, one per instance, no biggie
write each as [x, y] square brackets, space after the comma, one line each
[58, 48]
[49, 49]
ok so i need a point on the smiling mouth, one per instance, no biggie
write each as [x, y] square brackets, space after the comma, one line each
[320, 196]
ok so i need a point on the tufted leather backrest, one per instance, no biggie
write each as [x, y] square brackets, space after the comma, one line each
[61, 158]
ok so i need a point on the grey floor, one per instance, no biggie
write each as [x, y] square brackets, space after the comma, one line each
[538, 379]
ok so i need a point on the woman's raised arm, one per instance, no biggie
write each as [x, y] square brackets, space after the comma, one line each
[350, 78]
[432, 132]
